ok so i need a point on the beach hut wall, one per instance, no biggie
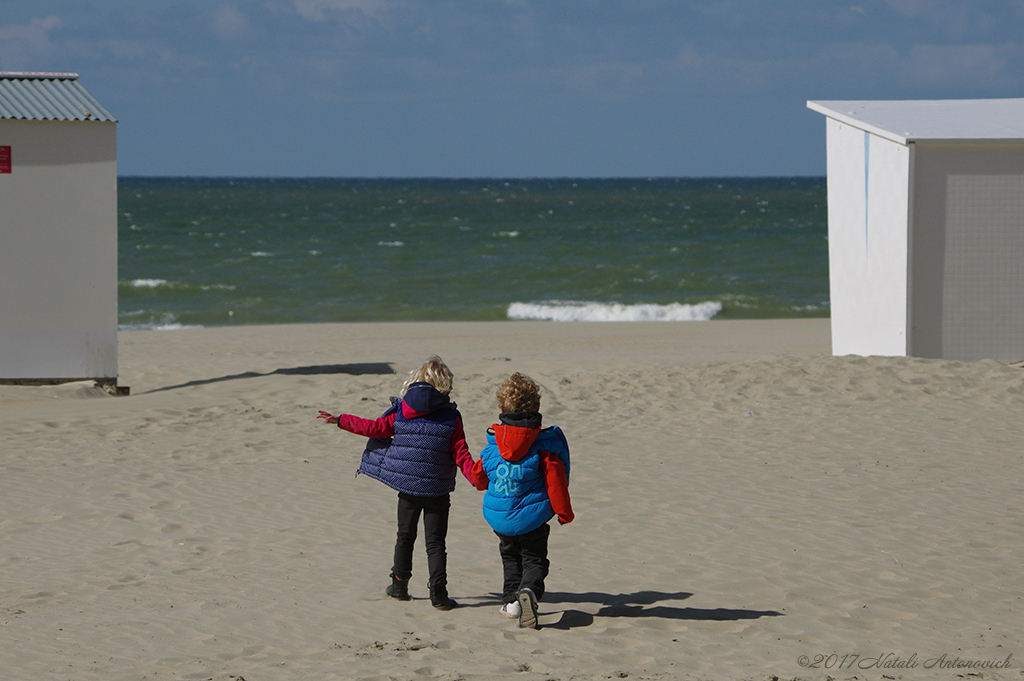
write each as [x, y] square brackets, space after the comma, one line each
[58, 231]
[926, 227]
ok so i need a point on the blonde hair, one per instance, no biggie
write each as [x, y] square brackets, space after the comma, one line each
[434, 371]
[518, 393]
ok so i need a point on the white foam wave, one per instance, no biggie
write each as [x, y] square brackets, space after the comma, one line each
[166, 322]
[571, 311]
[148, 283]
[157, 327]
[393, 244]
[163, 283]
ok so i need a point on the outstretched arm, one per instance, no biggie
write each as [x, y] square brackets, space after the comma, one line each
[382, 427]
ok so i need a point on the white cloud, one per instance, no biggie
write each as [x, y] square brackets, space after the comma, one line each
[604, 78]
[20, 44]
[322, 10]
[126, 49]
[229, 23]
[36, 32]
[882, 70]
[956, 65]
[710, 72]
[915, 8]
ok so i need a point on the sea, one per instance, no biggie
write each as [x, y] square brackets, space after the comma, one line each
[238, 251]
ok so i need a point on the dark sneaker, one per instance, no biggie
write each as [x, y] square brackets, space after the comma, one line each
[399, 589]
[527, 609]
[439, 598]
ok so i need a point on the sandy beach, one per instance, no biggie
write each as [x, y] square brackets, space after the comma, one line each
[748, 507]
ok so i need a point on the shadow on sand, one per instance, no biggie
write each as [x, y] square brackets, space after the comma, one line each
[381, 368]
[631, 605]
[635, 605]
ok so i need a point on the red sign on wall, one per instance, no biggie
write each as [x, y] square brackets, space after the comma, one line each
[5, 159]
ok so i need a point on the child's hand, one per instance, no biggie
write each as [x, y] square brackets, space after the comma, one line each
[478, 477]
[327, 417]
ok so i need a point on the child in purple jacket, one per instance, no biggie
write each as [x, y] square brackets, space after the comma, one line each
[415, 448]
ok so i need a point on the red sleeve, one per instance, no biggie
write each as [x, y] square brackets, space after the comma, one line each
[460, 451]
[479, 477]
[382, 427]
[558, 486]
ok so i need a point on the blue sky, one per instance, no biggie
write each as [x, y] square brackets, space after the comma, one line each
[503, 88]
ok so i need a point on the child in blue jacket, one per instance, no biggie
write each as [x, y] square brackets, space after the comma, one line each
[415, 448]
[525, 470]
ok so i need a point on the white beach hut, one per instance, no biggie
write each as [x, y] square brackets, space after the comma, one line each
[58, 232]
[926, 227]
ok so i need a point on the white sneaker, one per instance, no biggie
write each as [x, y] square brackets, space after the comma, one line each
[511, 610]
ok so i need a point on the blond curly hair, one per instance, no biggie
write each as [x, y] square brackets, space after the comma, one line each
[518, 393]
[434, 371]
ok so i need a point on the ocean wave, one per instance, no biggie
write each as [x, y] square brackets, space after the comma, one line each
[164, 284]
[148, 283]
[157, 327]
[165, 322]
[572, 311]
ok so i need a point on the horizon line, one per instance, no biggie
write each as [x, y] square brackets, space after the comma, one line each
[486, 178]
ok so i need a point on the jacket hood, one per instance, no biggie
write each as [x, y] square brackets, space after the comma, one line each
[423, 398]
[516, 434]
[521, 419]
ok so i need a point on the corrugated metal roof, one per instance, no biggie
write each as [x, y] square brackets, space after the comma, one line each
[48, 97]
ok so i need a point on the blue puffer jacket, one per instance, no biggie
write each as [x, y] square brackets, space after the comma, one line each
[418, 459]
[516, 501]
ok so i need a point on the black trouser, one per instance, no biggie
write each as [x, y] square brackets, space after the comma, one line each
[435, 530]
[524, 560]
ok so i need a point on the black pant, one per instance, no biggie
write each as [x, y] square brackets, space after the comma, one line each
[524, 560]
[435, 530]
